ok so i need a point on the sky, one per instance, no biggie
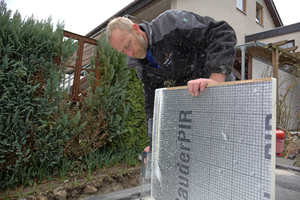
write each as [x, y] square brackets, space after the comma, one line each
[288, 11]
[81, 17]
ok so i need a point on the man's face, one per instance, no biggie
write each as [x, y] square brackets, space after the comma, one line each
[131, 44]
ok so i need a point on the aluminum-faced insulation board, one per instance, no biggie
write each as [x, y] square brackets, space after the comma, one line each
[219, 145]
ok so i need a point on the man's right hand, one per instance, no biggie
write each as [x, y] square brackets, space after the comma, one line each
[197, 85]
[147, 148]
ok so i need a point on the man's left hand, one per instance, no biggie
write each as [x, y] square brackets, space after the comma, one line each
[197, 85]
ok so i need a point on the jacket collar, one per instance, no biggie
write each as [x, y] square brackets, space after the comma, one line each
[146, 27]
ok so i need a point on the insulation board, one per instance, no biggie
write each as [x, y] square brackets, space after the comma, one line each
[219, 145]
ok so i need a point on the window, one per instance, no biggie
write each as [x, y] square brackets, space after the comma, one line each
[241, 5]
[259, 13]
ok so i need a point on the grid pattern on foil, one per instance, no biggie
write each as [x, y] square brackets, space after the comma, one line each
[221, 153]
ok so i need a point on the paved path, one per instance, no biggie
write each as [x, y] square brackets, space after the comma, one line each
[287, 185]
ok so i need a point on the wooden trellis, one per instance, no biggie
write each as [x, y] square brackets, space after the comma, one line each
[276, 53]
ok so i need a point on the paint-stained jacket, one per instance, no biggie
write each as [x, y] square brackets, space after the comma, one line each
[186, 46]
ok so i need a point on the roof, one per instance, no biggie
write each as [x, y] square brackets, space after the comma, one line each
[128, 10]
[274, 13]
[273, 32]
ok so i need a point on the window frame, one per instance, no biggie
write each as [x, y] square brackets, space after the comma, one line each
[259, 13]
[243, 8]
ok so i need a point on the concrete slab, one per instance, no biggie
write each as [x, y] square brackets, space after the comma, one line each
[283, 161]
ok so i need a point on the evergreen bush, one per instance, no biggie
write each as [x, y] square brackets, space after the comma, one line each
[38, 128]
[114, 112]
[136, 136]
[121, 99]
[31, 124]
[111, 93]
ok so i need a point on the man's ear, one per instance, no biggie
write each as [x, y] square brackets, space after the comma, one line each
[135, 28]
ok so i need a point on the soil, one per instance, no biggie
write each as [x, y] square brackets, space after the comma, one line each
[104, 180]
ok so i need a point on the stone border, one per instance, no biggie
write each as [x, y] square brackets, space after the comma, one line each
[127, 194]
[288, 167]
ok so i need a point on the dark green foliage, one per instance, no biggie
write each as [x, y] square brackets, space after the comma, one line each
[120, 96]
[110, 94]
[111, 90]
[119, 99]
[38, 127]
[136, 135]
[32, 128]
[131, 157]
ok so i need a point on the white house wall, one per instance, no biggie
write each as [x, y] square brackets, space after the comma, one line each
[262, 69]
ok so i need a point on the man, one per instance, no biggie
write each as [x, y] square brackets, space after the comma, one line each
[181, 46]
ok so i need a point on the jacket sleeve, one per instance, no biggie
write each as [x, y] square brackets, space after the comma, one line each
[215, 40]
[220, 52]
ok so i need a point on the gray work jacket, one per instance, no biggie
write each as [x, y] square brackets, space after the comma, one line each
[186, 46]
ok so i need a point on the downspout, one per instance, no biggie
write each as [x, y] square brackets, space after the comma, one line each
[243, 49]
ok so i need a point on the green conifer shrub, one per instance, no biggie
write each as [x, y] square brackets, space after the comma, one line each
[114, 113]
[110, 95]
[136, 136]
[32, 126]
[122, 99]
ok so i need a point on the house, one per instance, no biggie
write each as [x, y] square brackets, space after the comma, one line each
[256, 23]
[245, 16]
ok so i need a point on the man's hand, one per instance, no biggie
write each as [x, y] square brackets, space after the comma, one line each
[147, 148]
[197, 85]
